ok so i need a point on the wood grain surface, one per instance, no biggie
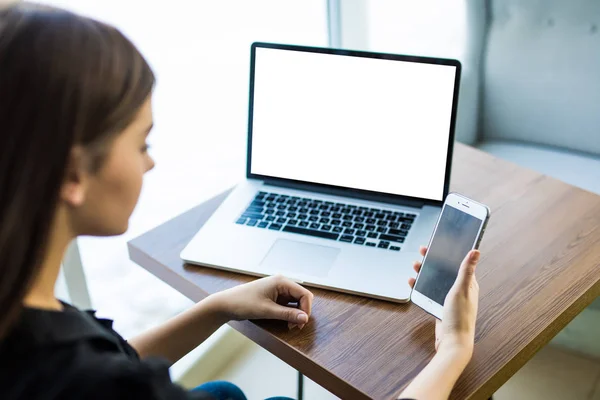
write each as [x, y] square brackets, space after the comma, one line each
[540, 267]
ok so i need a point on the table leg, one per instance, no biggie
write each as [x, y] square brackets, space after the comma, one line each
[300, 386]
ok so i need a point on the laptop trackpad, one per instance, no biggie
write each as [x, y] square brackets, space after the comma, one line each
[301, 258]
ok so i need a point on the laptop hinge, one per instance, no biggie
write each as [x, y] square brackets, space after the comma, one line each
[350, 193]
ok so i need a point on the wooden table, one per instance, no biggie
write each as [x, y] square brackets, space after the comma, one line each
[540, 267]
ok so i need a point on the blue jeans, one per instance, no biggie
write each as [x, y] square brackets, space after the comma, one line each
[222, 390]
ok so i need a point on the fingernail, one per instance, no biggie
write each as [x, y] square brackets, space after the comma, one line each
[301, 326]
[474, 256]
[302, 318]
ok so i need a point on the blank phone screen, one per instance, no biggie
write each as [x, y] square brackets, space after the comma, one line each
[454, 237]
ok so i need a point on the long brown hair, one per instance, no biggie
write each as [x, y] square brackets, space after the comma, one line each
[65, 80]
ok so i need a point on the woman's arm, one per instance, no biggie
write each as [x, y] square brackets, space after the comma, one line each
[182, 333]
[455, 335]
[437, 379]
[265, 298]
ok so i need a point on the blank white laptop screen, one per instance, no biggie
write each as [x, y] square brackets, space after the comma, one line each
[364, 123]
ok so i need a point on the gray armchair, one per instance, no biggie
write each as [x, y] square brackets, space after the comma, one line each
[531, 95]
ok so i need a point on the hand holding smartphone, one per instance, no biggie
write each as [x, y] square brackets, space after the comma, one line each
[459, 229]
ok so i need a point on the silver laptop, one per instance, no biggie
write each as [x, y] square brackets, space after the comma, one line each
[349, 158]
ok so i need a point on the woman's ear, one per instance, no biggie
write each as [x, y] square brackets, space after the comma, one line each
[75, 182]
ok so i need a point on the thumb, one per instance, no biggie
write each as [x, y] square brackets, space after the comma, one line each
[288, 314]
[467, 268]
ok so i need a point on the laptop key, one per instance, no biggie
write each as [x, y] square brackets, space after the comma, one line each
[325, 213]
[241, 221]
[359, 240]
[293, 222]
[336, 216]
[314, 225]
[368, 214]
[371, 244]
[335, 209]
[382, 222]
[359, 219]
[292, 209]
[314, 218]
[281, 220]
[337, 229]
[314, 212]
[395, 248]
[336, 222]
[394, 225]
[310, 232]
[371, 221]
[303, 224]
[303, 210]
[252, 222]
[291, 215]
[405, 226]
[379, 215]
[391, 238]
[383, 245]
[270, 218]
[360, 233]
[358, 226]
[275, 227]
[326, 227]
[370, 227]
[347, 224]
[349, 231]
[347, 217]
[397, 232]
[252, 215]
[324, 220]
[404, 219]
[280, 213]
[381, 229]
[263, 224]
[347, 238]
[372, 235]
[302, 217]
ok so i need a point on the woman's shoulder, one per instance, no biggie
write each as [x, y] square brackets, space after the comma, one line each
[73, 354]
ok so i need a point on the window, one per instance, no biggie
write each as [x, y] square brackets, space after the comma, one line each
[429, 28]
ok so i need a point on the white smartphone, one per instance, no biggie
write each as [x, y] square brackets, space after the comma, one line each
[459, 230]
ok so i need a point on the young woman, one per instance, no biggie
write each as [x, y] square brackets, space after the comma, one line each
[75, 111]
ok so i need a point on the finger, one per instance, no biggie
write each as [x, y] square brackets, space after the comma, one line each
[289, 314]
[438, 333]
[417, 266]
[466, 273]
[423, 250]
[411, 282]
[290, 289]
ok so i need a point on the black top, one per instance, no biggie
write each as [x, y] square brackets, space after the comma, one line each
[74, 355]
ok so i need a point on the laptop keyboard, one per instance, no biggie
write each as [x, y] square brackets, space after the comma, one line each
[365, 226]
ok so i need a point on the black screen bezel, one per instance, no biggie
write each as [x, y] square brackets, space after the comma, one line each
[347, 191]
